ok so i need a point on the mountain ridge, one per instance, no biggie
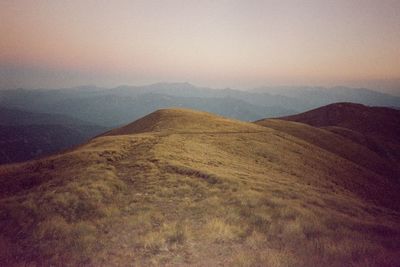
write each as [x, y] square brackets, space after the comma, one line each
[181, 187]
[376, 127]
[121, 105]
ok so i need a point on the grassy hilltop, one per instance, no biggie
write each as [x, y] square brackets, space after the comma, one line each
[181, 187]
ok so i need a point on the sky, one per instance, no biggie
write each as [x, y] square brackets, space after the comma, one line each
[220, 43]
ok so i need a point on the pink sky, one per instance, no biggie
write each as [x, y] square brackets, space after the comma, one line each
[240, 44]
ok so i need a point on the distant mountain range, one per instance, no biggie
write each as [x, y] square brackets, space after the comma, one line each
[117, 106]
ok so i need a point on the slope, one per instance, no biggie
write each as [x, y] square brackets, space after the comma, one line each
[20, 117]
[372, 120]
[26, 135]
[378, 128]
[328, 139]
[26, 142]
[181, 187]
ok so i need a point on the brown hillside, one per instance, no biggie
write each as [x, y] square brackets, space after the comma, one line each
[378, 128]
[371, 120]
[186, 188]
[340, 141]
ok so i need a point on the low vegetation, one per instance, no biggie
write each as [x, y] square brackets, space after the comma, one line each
[214, 195]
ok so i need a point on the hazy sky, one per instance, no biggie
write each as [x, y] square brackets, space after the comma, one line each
[238, 44]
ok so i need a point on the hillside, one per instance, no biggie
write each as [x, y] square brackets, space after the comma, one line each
[180, 187]
[378, 128]
[13, 117]
[380, 121]
[26, 142]
[27, 135]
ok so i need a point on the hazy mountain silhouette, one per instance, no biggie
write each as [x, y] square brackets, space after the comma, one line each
[122, 104]
[319, 96]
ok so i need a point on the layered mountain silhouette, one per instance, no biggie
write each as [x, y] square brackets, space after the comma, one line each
[121, 105]
[180, 187]
[38, 122]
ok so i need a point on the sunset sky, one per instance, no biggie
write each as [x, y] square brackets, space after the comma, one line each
[239, 44]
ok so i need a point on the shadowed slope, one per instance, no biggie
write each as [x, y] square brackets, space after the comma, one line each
[180, 188]
[378, 128]
[379, 121]
[27, 135]
[357, 151]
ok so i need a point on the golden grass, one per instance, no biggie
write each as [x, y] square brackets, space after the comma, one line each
[264, 198]
[219, 231]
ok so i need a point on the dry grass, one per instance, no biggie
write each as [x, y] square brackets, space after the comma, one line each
[264, 198]
[219, 231]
